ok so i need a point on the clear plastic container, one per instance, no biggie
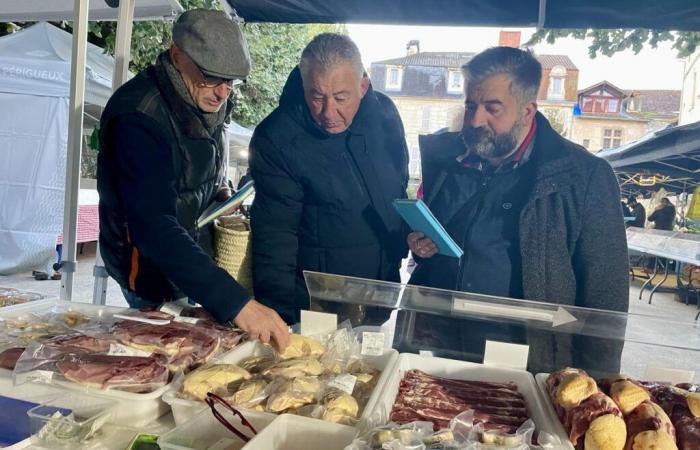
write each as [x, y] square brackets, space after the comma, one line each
[71, 420]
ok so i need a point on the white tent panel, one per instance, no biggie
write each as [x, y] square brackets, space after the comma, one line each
[33, 136]
[36, 60]
[54, 10]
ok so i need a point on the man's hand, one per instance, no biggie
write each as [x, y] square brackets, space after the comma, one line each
[263, 323]
[223, 194]
[421, 246]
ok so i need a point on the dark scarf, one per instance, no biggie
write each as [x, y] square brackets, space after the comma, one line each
[171, 80]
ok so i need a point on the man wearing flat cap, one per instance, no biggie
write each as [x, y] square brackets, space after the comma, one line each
[161, 165]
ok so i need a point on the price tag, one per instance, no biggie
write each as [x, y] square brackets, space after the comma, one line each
[172, 308]
[674, 376]
[345, 383]
[502, 354]
[372, 343]
[183, 319]
[313, 323]
[116, 349]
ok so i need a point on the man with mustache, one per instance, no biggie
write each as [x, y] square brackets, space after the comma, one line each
[327, 164]
[538, 217]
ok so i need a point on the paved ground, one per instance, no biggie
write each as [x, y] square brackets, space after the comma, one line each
[650, 323]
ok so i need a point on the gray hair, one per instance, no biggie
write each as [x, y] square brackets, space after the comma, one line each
[522, 67]
[327, 51]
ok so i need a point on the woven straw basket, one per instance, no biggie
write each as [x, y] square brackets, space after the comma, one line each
[233, 248]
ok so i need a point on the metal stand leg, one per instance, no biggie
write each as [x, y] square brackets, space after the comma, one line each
[663, 280]
[651, 277]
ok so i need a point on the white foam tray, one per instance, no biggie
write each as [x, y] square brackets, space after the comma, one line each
[184, 410]
[462, 370]
[540, 380]
[131, 410]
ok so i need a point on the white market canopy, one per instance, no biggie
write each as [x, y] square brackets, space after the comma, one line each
[54, 10]
[37, 61]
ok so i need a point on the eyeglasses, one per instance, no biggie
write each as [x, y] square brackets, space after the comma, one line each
[213, 82]
[212, 400]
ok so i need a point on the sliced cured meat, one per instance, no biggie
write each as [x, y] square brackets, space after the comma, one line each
[578, 419]
[128, 373]
[9, 357]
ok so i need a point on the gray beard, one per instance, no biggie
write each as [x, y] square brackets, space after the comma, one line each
[492, 146]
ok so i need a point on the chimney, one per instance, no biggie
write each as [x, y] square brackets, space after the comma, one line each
[509, 39]
[412, 47]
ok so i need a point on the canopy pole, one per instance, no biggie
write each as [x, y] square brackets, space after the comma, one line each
[75, 145]
[542, 14]
[122, 56]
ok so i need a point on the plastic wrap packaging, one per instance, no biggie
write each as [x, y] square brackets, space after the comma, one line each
[10, 297]
[184, 345]
[464, 433]
[322, 377]
[93, 362]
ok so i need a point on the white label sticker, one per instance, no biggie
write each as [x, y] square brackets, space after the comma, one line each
[171, 308]
[427, 353]
[502, 354]
[345, 383]
[313, 322]
[39, 376]
[674, 376]
[116, 349]
[372, 343]
[183, 319]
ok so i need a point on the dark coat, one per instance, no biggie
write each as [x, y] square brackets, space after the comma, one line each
[664, 218]
[323, 201]
[158, 169]
[572, 236]
[640, 216]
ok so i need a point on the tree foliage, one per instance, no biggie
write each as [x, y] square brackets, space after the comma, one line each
[274, 50]
[610, 41]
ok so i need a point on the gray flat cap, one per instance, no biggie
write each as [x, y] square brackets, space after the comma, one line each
[214, 42]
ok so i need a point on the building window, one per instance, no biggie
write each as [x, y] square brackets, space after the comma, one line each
[612, 137]
[587, 143]
[425, 119]
[612, 105]
[455, 82]
[557, 76]
[394, 76]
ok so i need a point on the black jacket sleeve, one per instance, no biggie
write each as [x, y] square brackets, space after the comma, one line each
[275, 218]
[147, 186]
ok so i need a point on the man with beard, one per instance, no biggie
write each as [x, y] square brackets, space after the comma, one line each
[538, 217]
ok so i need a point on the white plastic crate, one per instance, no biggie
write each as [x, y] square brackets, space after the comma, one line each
[131, 409]
[184, 409]
[201, 431]
[290, 432]
[462, 370]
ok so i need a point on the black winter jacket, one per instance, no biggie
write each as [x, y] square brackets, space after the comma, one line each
[572, 238]
[323, 201]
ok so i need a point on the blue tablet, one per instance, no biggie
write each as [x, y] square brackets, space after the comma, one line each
[418, 216]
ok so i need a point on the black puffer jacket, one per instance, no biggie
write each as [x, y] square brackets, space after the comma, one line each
[323, 202]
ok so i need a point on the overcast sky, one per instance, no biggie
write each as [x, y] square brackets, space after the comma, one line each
[650, 69]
